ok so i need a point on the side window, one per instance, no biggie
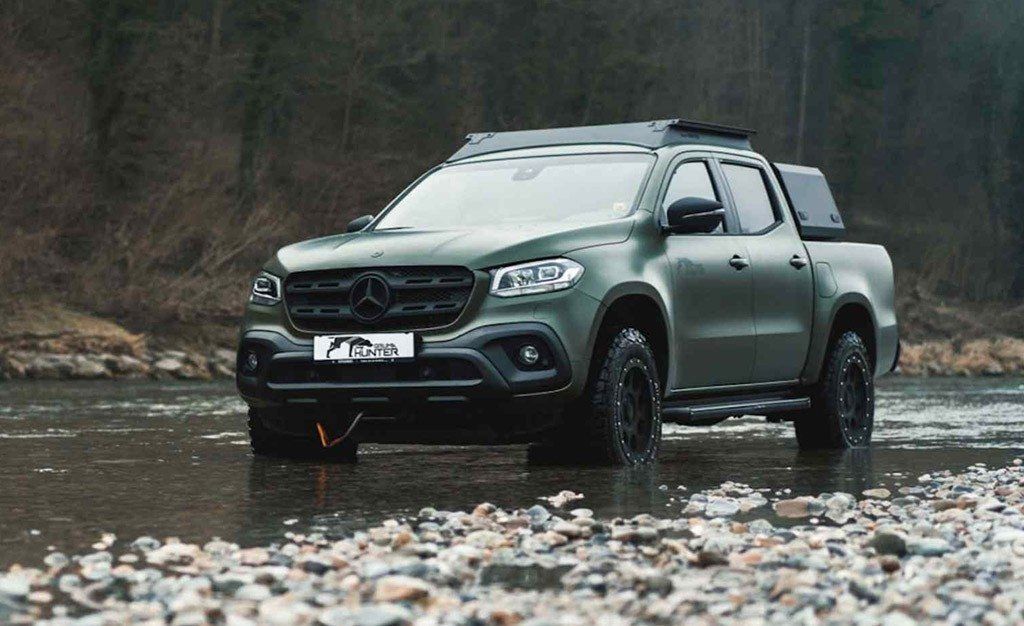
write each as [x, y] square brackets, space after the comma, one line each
[690, 180]
[753, 203]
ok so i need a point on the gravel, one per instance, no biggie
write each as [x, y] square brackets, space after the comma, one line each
[949, 548]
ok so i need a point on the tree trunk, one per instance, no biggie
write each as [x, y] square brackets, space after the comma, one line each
[805, 70]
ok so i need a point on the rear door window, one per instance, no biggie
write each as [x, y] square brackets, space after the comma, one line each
[754, 204]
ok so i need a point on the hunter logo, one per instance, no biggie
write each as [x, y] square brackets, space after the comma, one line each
[338, 343]
[373, 347]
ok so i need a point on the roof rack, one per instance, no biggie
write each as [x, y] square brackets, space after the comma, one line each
[653, 134]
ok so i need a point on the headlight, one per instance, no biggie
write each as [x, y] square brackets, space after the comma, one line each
[536, 277]
[266, 289]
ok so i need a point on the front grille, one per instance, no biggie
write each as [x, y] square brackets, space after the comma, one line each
[421, 297]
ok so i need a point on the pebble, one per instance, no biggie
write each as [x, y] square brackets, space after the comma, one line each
[792, 508]
[879, 493]
[947, 549]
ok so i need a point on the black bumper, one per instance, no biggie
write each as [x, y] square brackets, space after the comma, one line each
[479, 365]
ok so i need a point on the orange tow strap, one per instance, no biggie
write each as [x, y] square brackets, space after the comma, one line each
[325, 440]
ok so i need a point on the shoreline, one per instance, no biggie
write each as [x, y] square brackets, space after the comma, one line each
[993, 357]
[944, 545]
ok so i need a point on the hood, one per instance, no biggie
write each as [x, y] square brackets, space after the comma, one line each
[476, 248]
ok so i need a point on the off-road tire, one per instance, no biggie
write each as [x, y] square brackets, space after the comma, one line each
[627, 375]
[267, 442]
[842, 402]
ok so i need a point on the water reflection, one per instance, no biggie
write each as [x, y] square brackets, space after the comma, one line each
[172, 459]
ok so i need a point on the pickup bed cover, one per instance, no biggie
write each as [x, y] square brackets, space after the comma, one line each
[817, 216]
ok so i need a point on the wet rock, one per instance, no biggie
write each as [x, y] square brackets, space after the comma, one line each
[562, 498]
[524, 576]
[888, 543]
[14, 585]
[56, 560]
[538, 514]
[253, 592]
[400, 589]
[792, 508]
[711, 558]
[879, 493]
[889, 563]
[929, 546]
[382, 615]
[722, 507]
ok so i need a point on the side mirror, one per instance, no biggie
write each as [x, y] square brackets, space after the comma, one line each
[358, 224]
[694, 215]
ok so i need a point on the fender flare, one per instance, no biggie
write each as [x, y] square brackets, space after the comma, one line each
[621, 290]
[822, 332]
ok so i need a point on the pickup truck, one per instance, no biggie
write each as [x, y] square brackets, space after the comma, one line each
[574, 289]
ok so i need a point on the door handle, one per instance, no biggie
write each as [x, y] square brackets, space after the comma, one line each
[739, 262]
[798, 261]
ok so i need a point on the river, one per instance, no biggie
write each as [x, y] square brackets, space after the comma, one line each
[172, 459]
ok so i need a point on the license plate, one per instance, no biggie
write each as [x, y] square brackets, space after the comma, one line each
[364, 348]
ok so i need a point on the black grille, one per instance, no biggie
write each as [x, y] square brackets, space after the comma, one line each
[421, 297]
[426, 370]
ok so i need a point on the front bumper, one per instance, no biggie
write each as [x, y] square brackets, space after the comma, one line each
[477, 365]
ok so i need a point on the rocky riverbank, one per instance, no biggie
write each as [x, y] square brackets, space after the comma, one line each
[945, 547]
[160, 365]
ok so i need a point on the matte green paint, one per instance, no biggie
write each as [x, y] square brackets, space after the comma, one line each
[727, 328]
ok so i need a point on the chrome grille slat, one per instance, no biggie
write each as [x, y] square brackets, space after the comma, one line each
[421, 297]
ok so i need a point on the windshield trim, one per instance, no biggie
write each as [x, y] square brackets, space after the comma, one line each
[641, 188]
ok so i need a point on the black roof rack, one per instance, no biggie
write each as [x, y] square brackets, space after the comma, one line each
[653, 134]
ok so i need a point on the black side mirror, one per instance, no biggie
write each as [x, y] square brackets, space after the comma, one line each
[358, 224]
[694, 215]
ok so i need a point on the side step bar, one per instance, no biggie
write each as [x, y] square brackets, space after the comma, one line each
[697, 413]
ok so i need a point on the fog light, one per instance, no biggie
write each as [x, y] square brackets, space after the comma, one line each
[252, 362]
[529, 355]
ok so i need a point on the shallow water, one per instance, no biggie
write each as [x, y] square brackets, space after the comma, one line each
[172, 459]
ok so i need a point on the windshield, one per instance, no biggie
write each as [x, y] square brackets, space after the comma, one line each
[578, 188]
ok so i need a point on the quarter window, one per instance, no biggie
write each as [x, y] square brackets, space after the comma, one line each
[753, 202]
[690, 180]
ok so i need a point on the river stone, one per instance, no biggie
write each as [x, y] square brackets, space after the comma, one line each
[888, 543]
[524, 576]
[722, 507]
[253, 592]
[14, 586]
[929, 546]
[400, 589]
[382, 615]
[538, 514]
[56, 560]
[791, 508]
[711, 558]
[878, 493]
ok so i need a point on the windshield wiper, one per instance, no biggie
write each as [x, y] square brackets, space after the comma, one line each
[391, 228]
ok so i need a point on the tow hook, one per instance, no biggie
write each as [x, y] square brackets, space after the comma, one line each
[325, 439]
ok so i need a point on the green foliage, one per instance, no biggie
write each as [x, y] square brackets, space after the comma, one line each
[203, 118]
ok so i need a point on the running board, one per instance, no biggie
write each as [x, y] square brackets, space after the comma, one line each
[697, 413]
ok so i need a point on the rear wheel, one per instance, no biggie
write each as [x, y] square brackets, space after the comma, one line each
[842, 412]
[622, 420]
[267, 441]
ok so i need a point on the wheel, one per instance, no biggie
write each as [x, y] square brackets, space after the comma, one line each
[621, 421]
[842, 412]
[266, 441]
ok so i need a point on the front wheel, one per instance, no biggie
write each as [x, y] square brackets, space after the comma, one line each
[842, 413]
[623, 420]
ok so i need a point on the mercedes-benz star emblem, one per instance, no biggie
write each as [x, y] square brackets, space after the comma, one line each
[369, 298]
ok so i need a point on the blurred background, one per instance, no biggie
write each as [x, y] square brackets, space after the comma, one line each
[153, 153]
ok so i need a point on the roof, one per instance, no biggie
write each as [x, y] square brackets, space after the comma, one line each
[653, 134]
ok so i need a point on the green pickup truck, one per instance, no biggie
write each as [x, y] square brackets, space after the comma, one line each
[574, 288]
